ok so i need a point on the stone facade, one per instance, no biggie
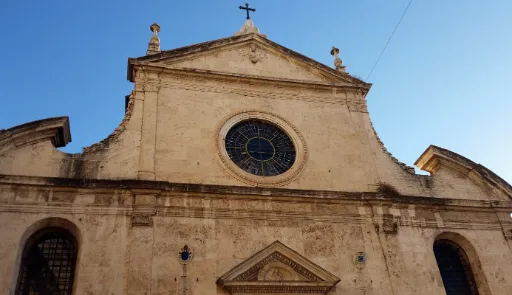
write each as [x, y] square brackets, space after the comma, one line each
[161, 181]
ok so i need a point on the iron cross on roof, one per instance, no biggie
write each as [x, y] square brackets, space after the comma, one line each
[247, 9]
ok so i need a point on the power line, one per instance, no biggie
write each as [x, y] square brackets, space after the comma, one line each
[385, 46]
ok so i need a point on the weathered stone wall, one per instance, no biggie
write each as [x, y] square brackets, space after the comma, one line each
[120, 254]
[157, 183]
[191, 111]
[116, 157]
[103, 249]
[236, 60]
[170, 131]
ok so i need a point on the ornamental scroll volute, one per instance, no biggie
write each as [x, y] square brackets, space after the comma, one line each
[277, 269]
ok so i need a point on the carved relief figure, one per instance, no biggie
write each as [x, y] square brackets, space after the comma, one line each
[254, 54]
[275, 274]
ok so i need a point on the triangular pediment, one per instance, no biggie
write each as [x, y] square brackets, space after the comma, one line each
[277, 269]
[251, 55]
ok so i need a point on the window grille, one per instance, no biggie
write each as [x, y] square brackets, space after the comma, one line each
[455, 270]
[48, 264]
[260, 148]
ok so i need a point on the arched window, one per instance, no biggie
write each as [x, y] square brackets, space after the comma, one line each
[455, 269]
[48, 263]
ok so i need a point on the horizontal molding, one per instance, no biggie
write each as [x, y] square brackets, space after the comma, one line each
[247, 215]
[239, 192]
[225, 76]
[263, 215]
[227, 88]
[65, 209]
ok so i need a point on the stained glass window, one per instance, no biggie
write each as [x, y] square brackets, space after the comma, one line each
[260, 148]
[48, 264]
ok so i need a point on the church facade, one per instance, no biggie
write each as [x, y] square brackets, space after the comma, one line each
[243, 167]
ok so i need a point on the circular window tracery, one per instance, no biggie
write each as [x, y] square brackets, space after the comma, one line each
[283, 156]
[260, 148]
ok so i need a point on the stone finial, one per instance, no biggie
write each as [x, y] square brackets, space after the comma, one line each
[248, 28]
[337, 61]
[154, 41]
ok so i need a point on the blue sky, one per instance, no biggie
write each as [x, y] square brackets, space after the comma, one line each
[444, 79]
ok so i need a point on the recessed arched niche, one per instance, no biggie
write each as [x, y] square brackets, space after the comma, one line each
[459, 265]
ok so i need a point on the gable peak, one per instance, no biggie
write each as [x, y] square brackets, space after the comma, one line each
[248, 28]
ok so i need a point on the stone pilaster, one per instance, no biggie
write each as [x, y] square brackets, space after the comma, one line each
[141, 242]
[150, 86]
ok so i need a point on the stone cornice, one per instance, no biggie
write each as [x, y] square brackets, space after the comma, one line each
[198, 83]
[62, 208]
[208, 46]
[54, 129]
[280, 287]
[252, 192]
[208, 74]
[250, 215]
[435, 157]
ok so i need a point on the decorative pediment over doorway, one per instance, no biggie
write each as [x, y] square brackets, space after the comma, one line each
[277, 269]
